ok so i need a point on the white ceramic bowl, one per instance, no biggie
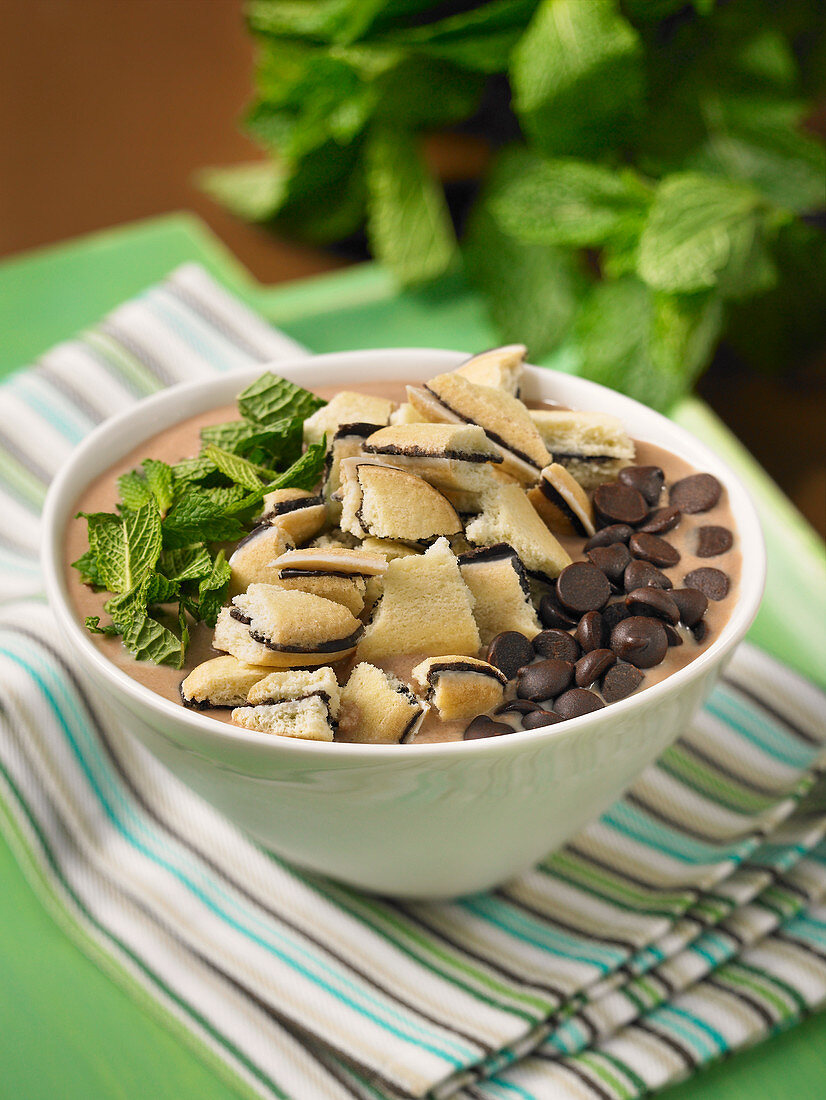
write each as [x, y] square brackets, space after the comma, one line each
[431, 820]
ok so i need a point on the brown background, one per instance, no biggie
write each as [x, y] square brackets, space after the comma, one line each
[108, 107]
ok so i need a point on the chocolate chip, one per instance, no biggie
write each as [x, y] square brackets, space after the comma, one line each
[642, 574]
[556, 643]
[614, 613]
[483, 726]
[660, 520]
[620, 681]
[653, 549]
[696, 493]
[538, 718]
[576, 702]
[552, 613]
[700, 630]
[591, 632]
[712, 541]
[648, 480]
[612, 560]
[607, 536]
[640, 640]
[516, 706]
[582, 587]
[544, 680]
[674, 636]
[711, 582]
[615, 503]
[653, 601]
[692, 604]
[592, 666]
[509, 651]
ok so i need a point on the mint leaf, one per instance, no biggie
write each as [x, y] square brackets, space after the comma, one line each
[92, 624]
[567, 202]
[698, 227]
[532, 291]
[647, 345]
[196, 518]
[161, 589]
[408, 222]
[133, 490]
[480, 38]
[683, 335]
[183, 626]
[160, 483]
[128, 605]
[197, 469]
[212, 591]
[185, 564]
[233, 435]
[254, 192]
[87, 566]
[125, 547]
[271, 399]
[305, 472]
[274, 445]
[148, 640]
[237, 469]
[226, 495]
[758, 140]
[404, 94]
[572, 54]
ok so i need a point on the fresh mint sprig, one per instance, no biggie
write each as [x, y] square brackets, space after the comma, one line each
[160, 553]
[664, 148]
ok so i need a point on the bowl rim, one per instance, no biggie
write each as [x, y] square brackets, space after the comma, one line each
[224, 736]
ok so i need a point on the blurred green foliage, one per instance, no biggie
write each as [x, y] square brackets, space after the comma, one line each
[651, 190]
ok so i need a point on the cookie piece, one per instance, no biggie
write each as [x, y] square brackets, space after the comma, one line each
[346, 407]
[336, 574]
[449, 456]
[426, 608]
[592, 446]
[250, 560]
[348, 591]
[384, 502]
[455, 458]
[307, 719]
[496, 578]
[499, 368]
[332, 560]
[406, 414]
[562, 502]
[460, 687]
[220, 682]
[508, 516]
[506, 421]
[233, 637]
[389, 548]
[298, 514]
[335, 539]
[279, 687]
[377, 708]
[297, 624]
[347, 443]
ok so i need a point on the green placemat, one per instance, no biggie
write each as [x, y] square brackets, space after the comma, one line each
[65, 1028]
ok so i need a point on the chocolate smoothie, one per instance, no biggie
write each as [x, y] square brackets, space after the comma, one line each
[703, 540]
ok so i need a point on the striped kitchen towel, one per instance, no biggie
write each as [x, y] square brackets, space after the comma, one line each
[688, 921]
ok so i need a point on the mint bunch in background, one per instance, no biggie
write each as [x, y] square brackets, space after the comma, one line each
[160, 553]
[649, 184]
